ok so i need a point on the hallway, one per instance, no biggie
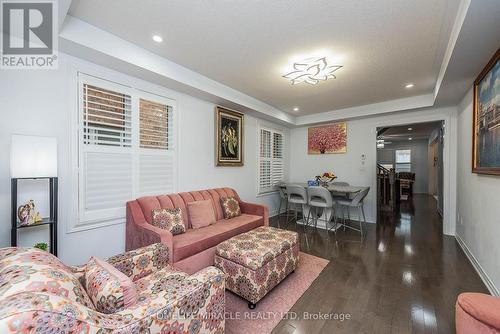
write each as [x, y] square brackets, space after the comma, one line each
[403, 277]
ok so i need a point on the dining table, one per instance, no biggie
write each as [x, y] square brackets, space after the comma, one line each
[336, 190]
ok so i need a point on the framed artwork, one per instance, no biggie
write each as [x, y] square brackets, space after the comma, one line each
[327, 139]
[486, 119]
[228, 137]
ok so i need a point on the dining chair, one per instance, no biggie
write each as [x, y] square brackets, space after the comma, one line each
[283, 200]
[297, 196]
[356, 202]
[320, 198]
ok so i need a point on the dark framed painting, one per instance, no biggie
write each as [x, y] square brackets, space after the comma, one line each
[228, 137]
[486, 119]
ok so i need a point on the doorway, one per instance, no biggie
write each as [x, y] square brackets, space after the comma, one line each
[409, 162]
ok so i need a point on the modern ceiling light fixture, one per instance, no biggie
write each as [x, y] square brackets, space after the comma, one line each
[409, 85]
[296, 108]
[312, 71]
[157, 38]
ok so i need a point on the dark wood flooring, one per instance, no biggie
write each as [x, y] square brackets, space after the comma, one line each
[403, 277]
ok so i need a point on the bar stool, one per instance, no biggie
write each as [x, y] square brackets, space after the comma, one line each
[283, 200]
[297, 196]
[319, 197]
[355, 202]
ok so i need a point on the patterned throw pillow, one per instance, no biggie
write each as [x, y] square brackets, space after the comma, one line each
[111, 291]
[169, 219]
[230, 206]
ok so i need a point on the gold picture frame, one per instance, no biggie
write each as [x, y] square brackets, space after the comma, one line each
[486, 120]
[229, 137]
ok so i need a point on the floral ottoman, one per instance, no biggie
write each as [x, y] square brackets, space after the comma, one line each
[256, 261]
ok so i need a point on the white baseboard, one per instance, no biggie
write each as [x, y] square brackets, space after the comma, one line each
[482, 274]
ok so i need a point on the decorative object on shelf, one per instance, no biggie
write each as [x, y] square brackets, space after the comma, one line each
[312, 71]
[33, 158]
[486, 120]
[26, 214]
[325, 179]
[313, 183]
[42, 245]
[228, 137]
[327, 139]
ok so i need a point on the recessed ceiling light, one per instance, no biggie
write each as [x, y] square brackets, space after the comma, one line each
[157, 38]
[409, 85]
[410, 138]
[409, 129]
[311, 71]
[296, 108]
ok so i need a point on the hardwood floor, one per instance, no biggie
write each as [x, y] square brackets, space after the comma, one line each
[403, 277]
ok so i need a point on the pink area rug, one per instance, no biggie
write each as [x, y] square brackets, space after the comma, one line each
[275, 305]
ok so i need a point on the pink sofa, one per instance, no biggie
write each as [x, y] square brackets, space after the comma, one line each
[477, 313]
[194, 249]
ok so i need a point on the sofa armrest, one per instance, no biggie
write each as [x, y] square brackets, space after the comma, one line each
[256, 209]
[202, 298]
[141, 262]
[139, 233]
[482, 308]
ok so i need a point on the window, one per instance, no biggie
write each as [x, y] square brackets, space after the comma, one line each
[126, 149]
[403, 161]
[271, 160]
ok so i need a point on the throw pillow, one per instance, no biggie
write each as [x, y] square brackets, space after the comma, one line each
[169, 219]
[201, 213]
[109, 289]
[231, 207]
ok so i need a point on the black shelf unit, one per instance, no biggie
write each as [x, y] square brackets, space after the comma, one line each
[51, 221]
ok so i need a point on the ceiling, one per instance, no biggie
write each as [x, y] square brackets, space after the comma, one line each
[247, 45]
[402, 133]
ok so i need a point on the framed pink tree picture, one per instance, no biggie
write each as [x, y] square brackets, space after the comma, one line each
[327, 139]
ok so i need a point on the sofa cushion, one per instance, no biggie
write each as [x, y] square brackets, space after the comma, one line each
[230, 206]
[110, 290]
[169, 219]
[34, 270]
[201, 213]
[195, 241]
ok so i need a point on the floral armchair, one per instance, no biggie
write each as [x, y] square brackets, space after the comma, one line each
[39, 294]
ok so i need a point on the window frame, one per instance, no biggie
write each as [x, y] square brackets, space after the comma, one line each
[271, 159]
[396, 163]
[83, 220]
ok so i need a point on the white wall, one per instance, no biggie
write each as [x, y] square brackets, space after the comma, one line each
[419, 159]
[478, 222]
[361, 140]
[41, 103]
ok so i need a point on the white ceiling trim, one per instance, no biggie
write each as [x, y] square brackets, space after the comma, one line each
[457, 27]
[63, 8]
[415, 102]
[80, 34]
[81, 39]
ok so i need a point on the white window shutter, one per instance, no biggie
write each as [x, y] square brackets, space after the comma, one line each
[271, 160]
[156, 174]
[126, 150]
[107, 117]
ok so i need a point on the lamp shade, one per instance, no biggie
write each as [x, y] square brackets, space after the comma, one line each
[33, 156]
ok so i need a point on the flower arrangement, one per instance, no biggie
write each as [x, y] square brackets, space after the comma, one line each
[326, 178]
